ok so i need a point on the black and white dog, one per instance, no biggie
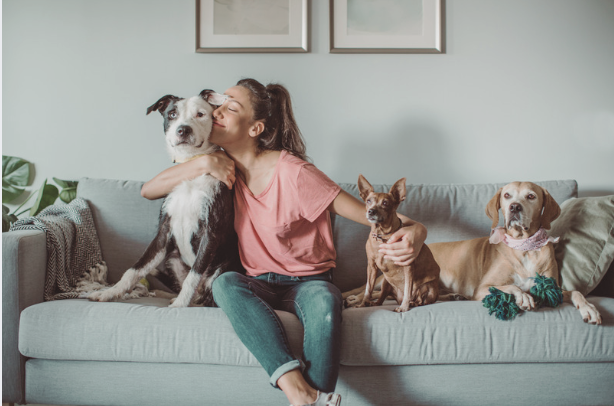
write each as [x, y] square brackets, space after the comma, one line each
[196, 234]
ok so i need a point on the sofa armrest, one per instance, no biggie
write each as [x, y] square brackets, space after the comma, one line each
[24, 263]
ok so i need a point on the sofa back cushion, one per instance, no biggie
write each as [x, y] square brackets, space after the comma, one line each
[125, 221]
[449, 212]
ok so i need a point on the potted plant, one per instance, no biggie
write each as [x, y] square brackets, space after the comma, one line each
[16, 178]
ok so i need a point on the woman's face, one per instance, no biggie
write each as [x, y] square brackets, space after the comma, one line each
[233, 123]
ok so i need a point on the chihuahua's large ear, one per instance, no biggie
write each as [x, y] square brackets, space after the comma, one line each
[398, 190]
[163, 103]
[492, 208]
[212, 97]
[364, 187]
[551, 210]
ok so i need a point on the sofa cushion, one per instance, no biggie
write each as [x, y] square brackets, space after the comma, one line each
[463, 332]
[141, 330]
[144, 330]
[449, 212]
[586, 247]
[125, 221]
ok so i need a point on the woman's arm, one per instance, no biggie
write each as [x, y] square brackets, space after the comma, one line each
[218, 165]
[349, 207]
[403, 246]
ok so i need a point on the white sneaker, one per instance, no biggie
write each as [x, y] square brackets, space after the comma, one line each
[326, 399]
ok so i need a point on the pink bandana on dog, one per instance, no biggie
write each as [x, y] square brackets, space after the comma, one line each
[535, 242]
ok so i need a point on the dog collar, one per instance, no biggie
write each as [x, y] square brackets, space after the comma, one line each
[182, 161]
[380, 237]
[533, 243]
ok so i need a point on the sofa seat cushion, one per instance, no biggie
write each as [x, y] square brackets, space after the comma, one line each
[142, 330]
[463, 332]
[145, 330]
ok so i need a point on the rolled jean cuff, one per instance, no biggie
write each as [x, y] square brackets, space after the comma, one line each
[285, 368]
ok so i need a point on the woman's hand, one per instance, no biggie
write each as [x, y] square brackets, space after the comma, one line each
[404, 245]
[221, 167]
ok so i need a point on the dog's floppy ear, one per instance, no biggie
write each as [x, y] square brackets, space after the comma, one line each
[492, 208]
[398, 190]
[551, 210]
[163, 103]
[212, 97]
[364, 187]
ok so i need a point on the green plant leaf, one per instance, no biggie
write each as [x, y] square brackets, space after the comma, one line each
[65, 183]
[10, 192]
[6, 223]
[15, 175]
[68, 195]
[69, 189]
[15, 170]
[47, 195]
[7, 219]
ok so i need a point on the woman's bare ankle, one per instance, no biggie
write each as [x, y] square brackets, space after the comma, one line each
[296, 389]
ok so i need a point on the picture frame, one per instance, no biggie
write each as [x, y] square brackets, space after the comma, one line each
[387, 26]
[229, 26]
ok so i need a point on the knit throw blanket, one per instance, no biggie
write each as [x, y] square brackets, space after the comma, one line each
[73, 249]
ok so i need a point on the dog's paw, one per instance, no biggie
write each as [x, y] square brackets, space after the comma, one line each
[525, 301]
[402, 309]
[177, 302]
[103, 296]
[177, 305]
[352, 301]
[364, 303]
[589, 313]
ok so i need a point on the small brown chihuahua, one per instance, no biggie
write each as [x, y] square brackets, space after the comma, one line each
[414, 285]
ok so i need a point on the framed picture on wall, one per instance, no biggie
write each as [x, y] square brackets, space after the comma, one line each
[387, 26]
[251, 26]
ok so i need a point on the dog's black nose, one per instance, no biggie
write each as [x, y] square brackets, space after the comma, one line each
[184, 131]
[371, 212]
[515, 208]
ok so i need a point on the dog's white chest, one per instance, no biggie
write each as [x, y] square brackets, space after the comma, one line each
[186, 205]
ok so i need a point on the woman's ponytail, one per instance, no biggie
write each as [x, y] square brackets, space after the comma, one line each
[272, 105]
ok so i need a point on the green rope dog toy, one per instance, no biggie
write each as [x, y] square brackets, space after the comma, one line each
[502, 304]
[545, 291]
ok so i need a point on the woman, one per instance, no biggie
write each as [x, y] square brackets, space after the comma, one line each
[285, 238]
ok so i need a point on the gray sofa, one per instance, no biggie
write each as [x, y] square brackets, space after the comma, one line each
[139, 352]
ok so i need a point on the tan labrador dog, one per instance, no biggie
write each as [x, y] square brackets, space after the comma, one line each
[510, 258]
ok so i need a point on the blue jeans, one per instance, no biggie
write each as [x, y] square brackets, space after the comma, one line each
[249, 302]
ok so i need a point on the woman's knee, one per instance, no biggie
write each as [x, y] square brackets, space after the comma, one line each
[330, 295]
[325, 301]
[225, 284]
[227, 279]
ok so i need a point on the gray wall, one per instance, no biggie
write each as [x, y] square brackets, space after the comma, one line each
[524, 92]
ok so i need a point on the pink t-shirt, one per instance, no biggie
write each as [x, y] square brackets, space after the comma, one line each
[286, 229]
